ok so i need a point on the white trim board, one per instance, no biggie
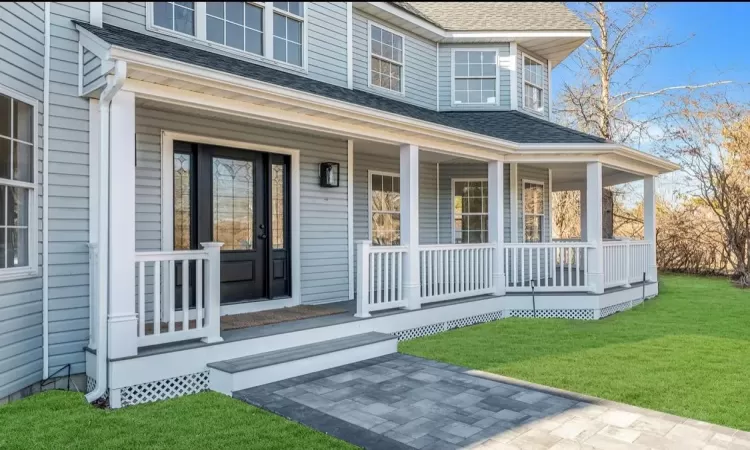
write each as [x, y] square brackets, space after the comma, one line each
[350, 215]
[167, 197]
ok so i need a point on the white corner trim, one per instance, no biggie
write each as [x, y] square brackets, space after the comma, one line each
[167, 198]
[549, 90]
[437, 201]
[453, 104]
[96, 13]
[80, 69]
[523, 207]
[370, 173]
[350, 213]
[513, 67]
[45, 188]
[513, 202]
[349, 46]
[402, 93]
[437, 76]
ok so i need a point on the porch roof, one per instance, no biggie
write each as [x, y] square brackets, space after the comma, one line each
[512, 126]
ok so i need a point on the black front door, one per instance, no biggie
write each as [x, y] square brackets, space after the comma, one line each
[240, 198]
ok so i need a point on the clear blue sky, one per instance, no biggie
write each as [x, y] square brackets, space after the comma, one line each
[719, 50]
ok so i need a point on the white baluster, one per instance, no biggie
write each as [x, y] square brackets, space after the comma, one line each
[386, 276]
[157, 297]
[171, 296]
[185, 295]
[199, 294]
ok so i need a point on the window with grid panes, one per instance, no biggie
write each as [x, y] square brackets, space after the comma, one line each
[533, 211]
[470, 214]
[533, 84]
[235, 24]
[385, 205]
[175, 16]
[386, 58]
[475, 77]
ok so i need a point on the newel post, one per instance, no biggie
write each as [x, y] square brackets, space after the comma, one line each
[212, 281]
[627, 262]
[594, 226]
[363, 278]
[649, 224]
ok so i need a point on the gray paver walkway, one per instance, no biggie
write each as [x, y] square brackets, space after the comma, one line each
[401, 401]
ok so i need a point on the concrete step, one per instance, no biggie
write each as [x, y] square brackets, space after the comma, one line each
[263, 368]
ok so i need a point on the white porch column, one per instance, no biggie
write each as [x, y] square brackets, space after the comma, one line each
[410, 222]
[583, 214]
[496, 223]
[122, 315]
[594, 226]
[649, 224]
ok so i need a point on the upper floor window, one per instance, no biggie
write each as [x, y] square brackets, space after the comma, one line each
[17, 185]
[235, 24]
[475, 77]
[470, 211]
[533, 211]
[386, 59]
[287, 32]
[533, 84]
[385, 208]
[270, 29]
[176, 16]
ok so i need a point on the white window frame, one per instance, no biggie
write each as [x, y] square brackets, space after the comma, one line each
[266, 58]
[370, 173]
[523, 209]
[401, 93]
[523, 82]
[453, 212]
[32, 269]
[453, 76]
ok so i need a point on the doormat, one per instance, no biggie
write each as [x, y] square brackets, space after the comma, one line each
[272, 316]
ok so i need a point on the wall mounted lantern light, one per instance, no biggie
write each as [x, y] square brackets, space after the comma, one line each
[329, 174]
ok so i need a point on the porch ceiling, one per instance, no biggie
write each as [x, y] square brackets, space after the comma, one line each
[572, 176]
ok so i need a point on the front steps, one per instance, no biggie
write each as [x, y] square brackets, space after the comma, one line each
[263, 368]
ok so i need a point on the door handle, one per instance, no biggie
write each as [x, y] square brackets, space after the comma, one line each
[263, 236]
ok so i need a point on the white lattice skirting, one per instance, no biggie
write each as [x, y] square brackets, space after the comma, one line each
[578, 314]
[164, 389]
[436, 328]
[609, 310]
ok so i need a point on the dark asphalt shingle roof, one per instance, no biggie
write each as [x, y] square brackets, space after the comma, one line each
[497, 16]
[509, 125]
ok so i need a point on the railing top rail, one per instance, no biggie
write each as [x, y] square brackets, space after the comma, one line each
[548, 245]
[388, 249]
[174, 255]
[455, 246]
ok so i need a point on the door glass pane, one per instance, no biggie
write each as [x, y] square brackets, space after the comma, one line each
[182, 206]
[233, 200]
[277, 205]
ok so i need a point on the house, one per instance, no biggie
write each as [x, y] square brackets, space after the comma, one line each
[393, 159]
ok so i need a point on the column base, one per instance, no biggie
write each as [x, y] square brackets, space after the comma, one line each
[596, 281]
[499, 280]
[414, 296]
[123, 336]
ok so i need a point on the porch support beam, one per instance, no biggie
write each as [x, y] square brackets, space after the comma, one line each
[496, 222]
[649, 224]
[594, 226]
[410, 222]
[122, 315]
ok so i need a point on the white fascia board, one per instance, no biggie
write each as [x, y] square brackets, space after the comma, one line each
[190, 72]
[514, 35]
[438, 32]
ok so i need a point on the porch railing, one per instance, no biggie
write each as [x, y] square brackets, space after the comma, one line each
[380, 278]
[549, 266]
[625, 262]
[455, 270]
[160, 318]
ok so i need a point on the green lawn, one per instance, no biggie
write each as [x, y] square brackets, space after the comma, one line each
[209, 420]
[686, 352]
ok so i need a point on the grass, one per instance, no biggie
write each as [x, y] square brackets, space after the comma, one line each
[686, 352]
[58, 420]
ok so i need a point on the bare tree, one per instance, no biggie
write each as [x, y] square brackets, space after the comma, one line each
[609, 69]
[710, 137]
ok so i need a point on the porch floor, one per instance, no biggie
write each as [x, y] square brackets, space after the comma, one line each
[348, 307]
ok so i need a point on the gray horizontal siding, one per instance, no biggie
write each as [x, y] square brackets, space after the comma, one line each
[323, 212]
[326, 23]
[22, 70]
[519, 79]
[420, 74]
[445, 80]
[92, 77]
[69, 192]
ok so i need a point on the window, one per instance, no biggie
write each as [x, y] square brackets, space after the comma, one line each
[533, 211]
[17, 185]
[386, 59]
[533, 82]
[470, 213]
[183, 213]
[278, 203]
[176, 16]
[287, 32]
[475, 77]
[385, 209]
[274, 30]
[235, 24]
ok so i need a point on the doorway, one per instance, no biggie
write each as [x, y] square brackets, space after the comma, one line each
[241, 198]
